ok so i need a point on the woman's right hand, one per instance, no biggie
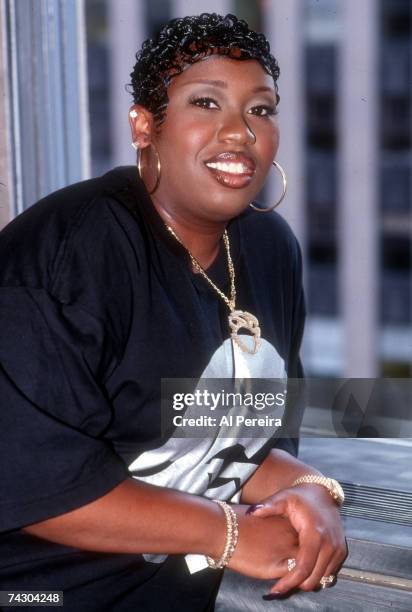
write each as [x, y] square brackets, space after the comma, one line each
[264, 546]
[136, 518]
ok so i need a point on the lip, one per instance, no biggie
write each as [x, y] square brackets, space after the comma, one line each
[234, 157]
[237, 179]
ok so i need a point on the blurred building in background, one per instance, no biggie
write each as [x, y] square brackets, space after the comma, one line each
[346, 130]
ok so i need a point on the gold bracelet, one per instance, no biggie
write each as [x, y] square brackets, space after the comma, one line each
[330, 484]
[232, 534]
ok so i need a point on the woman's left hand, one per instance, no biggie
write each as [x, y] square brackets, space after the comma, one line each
[322, 546]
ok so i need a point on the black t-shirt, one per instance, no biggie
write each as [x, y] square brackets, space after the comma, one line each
[98, 303]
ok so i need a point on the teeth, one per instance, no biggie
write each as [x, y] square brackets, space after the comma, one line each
[230, 167]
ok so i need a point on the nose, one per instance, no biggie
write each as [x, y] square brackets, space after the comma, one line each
[235, 128]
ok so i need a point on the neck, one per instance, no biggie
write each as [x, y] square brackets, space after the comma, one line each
[202, 239]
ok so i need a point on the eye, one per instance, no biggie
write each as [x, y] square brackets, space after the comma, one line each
[263, 110]
[204, 102]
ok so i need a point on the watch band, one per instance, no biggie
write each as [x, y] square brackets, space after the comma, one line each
[330, 484]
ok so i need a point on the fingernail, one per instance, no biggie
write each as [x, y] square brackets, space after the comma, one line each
[271, 596]
[253, 508]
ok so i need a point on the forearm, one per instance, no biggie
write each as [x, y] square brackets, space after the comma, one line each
[137, 517]
[277, 472]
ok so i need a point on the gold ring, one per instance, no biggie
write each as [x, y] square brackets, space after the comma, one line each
[291, 564]
[327, 581]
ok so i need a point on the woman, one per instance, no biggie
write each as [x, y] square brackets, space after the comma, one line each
[118, 289]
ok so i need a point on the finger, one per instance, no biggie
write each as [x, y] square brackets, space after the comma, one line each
[341, 552]
[332, 554]
[271, 506]
[306, 559]
[337, 560]
[281, 568]
[321, 569]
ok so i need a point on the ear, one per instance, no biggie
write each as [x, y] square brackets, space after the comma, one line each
[141, 125]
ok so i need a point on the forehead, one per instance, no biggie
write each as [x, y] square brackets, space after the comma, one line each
[244, 74]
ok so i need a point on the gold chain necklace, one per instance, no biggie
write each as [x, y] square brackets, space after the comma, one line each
[238, 319]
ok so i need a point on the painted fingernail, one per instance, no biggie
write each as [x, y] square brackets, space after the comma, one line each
[271, 596]
[253, 508]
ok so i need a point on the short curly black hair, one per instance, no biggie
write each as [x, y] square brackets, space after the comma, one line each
[186, 40]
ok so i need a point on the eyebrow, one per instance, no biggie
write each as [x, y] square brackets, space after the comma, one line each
[223, 85]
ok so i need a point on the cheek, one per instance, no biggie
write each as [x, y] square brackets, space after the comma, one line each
[183, 142]
[199, 139]
[272, 137]
[195, 139]
[268, 143]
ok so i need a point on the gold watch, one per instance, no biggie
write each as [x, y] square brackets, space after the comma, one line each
[330, 484]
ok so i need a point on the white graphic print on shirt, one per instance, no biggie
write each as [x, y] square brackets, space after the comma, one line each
[214, 467]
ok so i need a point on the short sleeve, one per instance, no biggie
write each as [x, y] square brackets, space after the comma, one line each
[54, 410]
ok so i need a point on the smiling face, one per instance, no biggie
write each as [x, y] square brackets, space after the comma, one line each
[217, 142]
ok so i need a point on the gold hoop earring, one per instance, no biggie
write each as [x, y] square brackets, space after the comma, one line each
[158, 167]
[285, 186]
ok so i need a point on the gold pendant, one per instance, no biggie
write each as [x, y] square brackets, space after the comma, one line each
[239, 319]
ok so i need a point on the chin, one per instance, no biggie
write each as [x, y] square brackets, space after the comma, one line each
[225, 211]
